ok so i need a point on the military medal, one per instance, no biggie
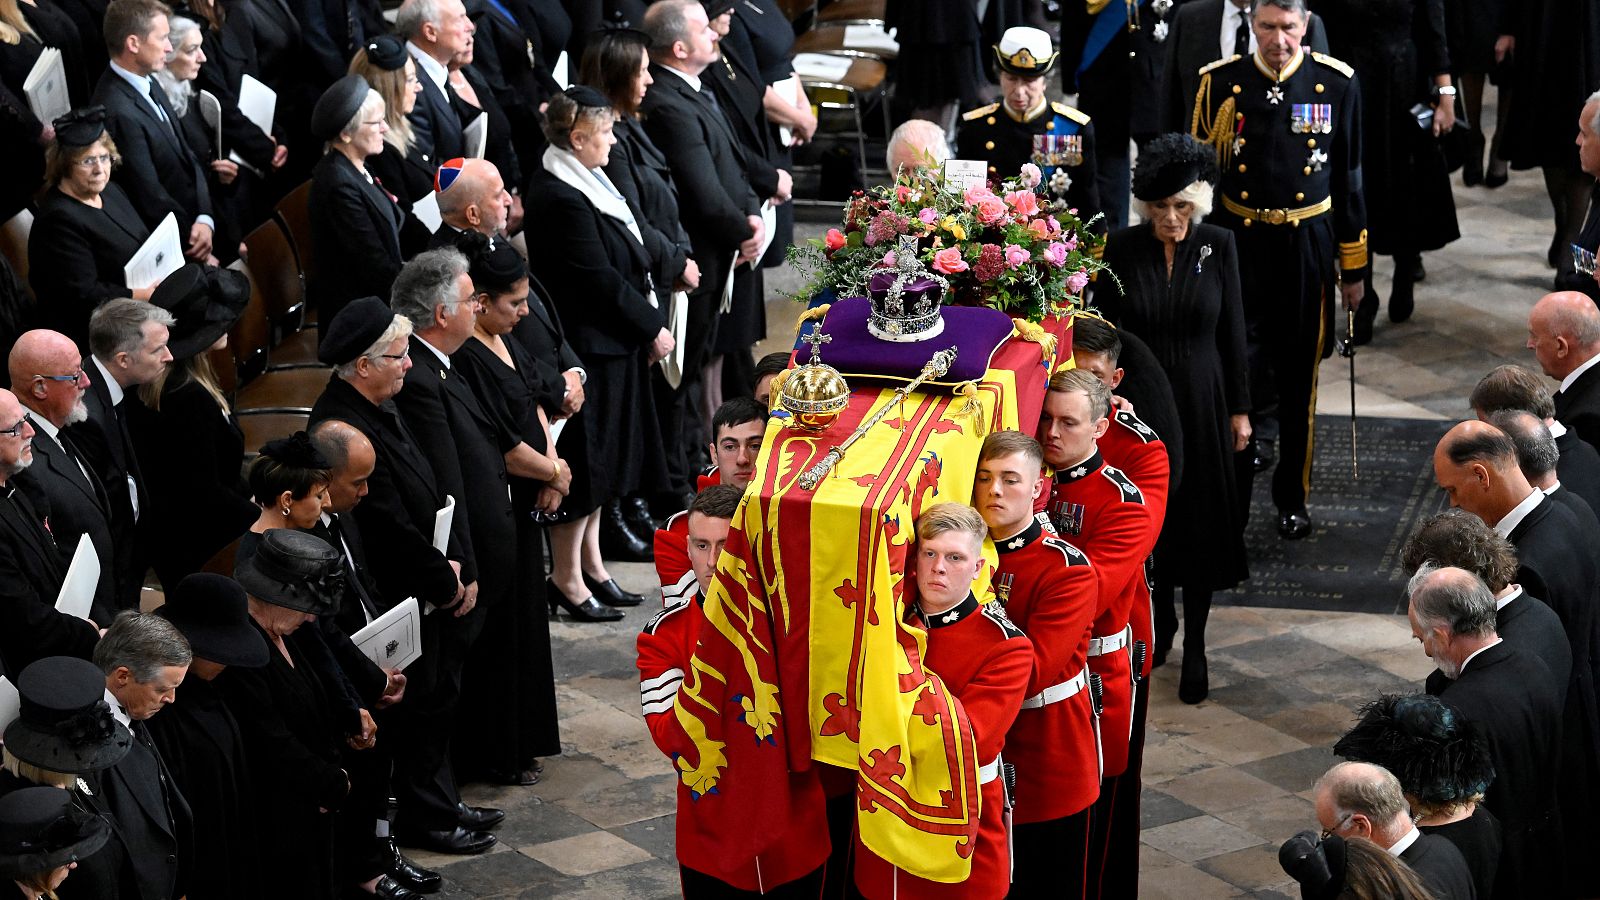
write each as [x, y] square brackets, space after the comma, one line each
[1057, 150]
[1583, 260]
[1159, 33]
[1068, 517]
[1316, 159]
[1002, 587]
[1275, 94]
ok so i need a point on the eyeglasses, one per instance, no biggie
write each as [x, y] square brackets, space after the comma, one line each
[1330, 832]
[76, 379]
[405, 354]
[15, 430]
[374, 123]
[99, 159]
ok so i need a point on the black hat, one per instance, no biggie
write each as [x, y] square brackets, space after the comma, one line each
[1317, 864]
[81, 127]
[493, 263]
[354, 329]
[294, 570]
[1439, 757]
[41, 829]
[586, 96]
[1026, 51]
[211, 612]
[716, 8]
[296, 451]
[1171, 163]
[206, 301]
[388, 53]
[337, 106]
[65, 724]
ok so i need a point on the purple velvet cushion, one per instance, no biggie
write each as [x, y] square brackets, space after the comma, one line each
[975, 332]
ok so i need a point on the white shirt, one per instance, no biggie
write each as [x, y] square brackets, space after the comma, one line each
[116, 392]
[1231, 16]
[1556, 428]
[435, 70]
[1404, 844]
[117, 712]
[1573, 375]
[1512, 592]
[442, 358]
[1551, 489]
[1519, 512]
[692, 80]
[1474, 655]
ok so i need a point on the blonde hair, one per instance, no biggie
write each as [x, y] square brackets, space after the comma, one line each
[1007, 443]
[13, 25]
[35, 775]
[196, 368]
[944, 517]
[391, 86]
[1082, 381]
[1199, 193]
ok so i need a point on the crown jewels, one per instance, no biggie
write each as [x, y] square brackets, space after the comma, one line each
[905, 300]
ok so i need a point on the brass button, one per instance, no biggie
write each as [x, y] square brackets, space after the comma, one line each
[1299, 197]
[1050, 126]
[1306, 170]
[988, 145]
[1241, 167]
[1244, 195]
[991, 170]
[1237, 89]
[1320, 88]
[1248, 222]
[1238, 117]
[989, 121]
[1311, 142]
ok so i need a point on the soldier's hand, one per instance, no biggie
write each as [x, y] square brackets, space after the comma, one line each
[1352, 292]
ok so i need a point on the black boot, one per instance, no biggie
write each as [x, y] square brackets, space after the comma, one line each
[1402, 300]
[610, 593]
[1195, 682]
[617, 540]
[636, 512]
[1366, 314]
[1472, 167]
[1166, 624]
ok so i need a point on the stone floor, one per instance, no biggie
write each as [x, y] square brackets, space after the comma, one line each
[1226, 781]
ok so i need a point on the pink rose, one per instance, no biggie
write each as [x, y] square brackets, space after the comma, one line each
[948, 261]
[1039, 229]
[1016, 256]
[1077, 281]
[1031, 175]
[1056, 254]
[834, 240]
[1024, 202]
[1052, 223]
[1072, 242]
[928, 215]
[991, 209]
[976, 195]
[889, 260]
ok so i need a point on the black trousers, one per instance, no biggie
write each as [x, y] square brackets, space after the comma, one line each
[424, 780]
[1051, 858]
[358, 855]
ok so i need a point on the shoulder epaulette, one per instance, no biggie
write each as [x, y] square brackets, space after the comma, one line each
[662, 615]
[980, 112]
[1130, 491]
[1076, 115]
[1339, 66]
[996, 613]
[1073, 555]
[1221, 62]
[1138, 427]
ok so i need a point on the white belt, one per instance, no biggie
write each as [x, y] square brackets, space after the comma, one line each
[1056, 693]
[1102, 645]
[989, 772]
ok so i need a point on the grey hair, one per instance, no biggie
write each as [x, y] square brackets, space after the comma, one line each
[414, 14]
[117, 326]
[1200, 194]
[666, 24]
[179, 92]
[1594, 121]
[1458, 600]
[370, 105]
[142, 642]
[1366, 789]
[399, 327]
[427, 282]
[1294, 6]
[914, 143]
[1537, 454]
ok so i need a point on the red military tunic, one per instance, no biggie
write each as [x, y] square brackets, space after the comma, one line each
[672, 551]
[1100, 510]
[1134, 447]
[665, 647]
[986, 662]
[1050, 591]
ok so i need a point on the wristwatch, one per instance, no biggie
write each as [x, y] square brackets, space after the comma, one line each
[1444, 90]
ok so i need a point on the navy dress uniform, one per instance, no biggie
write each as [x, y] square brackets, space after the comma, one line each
[1289, 147]
[1053, 136]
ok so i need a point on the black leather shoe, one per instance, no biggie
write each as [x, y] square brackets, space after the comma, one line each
[408, 873]
[1195, 683]
[617, 540]
[636, 512]
[1292, 526]
[590, 610]
[390, 889]
[521, 778]
[1498, 174]
[457, 842]
[479, 818]
[1366, 314]
[610, 593]
[1421, 272]
[1266, 454]
[1402, 300]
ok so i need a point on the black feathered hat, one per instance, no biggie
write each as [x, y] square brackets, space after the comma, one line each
[1440, 758]
[41, 830]
[1171, 163]
[81, 127]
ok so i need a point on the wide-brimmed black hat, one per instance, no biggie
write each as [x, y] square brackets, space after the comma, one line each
[337, 106]
[214, 616]
[1439, 757]
[1171, 163]
[206, 301]
[42, 829]
[294, 570]
[1317, 864]
[64, 723]
[81, 127]
[1026, 51]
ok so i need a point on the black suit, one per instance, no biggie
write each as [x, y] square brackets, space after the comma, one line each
[1516, 703]
[356, 227]
[231, 55]
[642, 175]
[75, 257]
[1529, 626]
[30, 578]
[1578, 407]
[499, 146]
[78, 506]
[506, 55]
[1556, 553]
[1442, 867]
[160, 171]
[108, 448]
[151, 816]
[1192, 44]
[434, 120]
[1578, 468]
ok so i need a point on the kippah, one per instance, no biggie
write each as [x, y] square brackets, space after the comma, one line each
[448, 173]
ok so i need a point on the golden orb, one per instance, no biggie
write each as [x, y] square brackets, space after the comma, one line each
[814, 395]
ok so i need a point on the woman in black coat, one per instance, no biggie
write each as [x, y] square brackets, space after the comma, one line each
[355, 223]
[1181, 284]
[86, 229]
[400, 168]
[597, 268]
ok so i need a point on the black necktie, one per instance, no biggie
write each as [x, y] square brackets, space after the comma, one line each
[1241, 34]
[352, 571]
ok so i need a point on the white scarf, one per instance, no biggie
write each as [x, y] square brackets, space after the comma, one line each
[592, 184]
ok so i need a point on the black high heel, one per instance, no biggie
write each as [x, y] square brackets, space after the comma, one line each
[610, 593]
[590, 610]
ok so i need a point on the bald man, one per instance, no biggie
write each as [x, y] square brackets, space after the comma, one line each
[475, 199]
[914, 144]
[48, 379]
[1564, 335]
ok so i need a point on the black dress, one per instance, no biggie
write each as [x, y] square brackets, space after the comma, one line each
[516, 636]
[1555, 66]
[292, 748]
[1478, 839]
[1396, 48]
[761, 37]
[76, 255]
[1194, 323]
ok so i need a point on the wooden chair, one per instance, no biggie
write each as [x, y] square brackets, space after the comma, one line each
[294, 213]
[275, 275]
[251, 336]
[281, 391]
[262, 427]
[833, 37]
[852, 12]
